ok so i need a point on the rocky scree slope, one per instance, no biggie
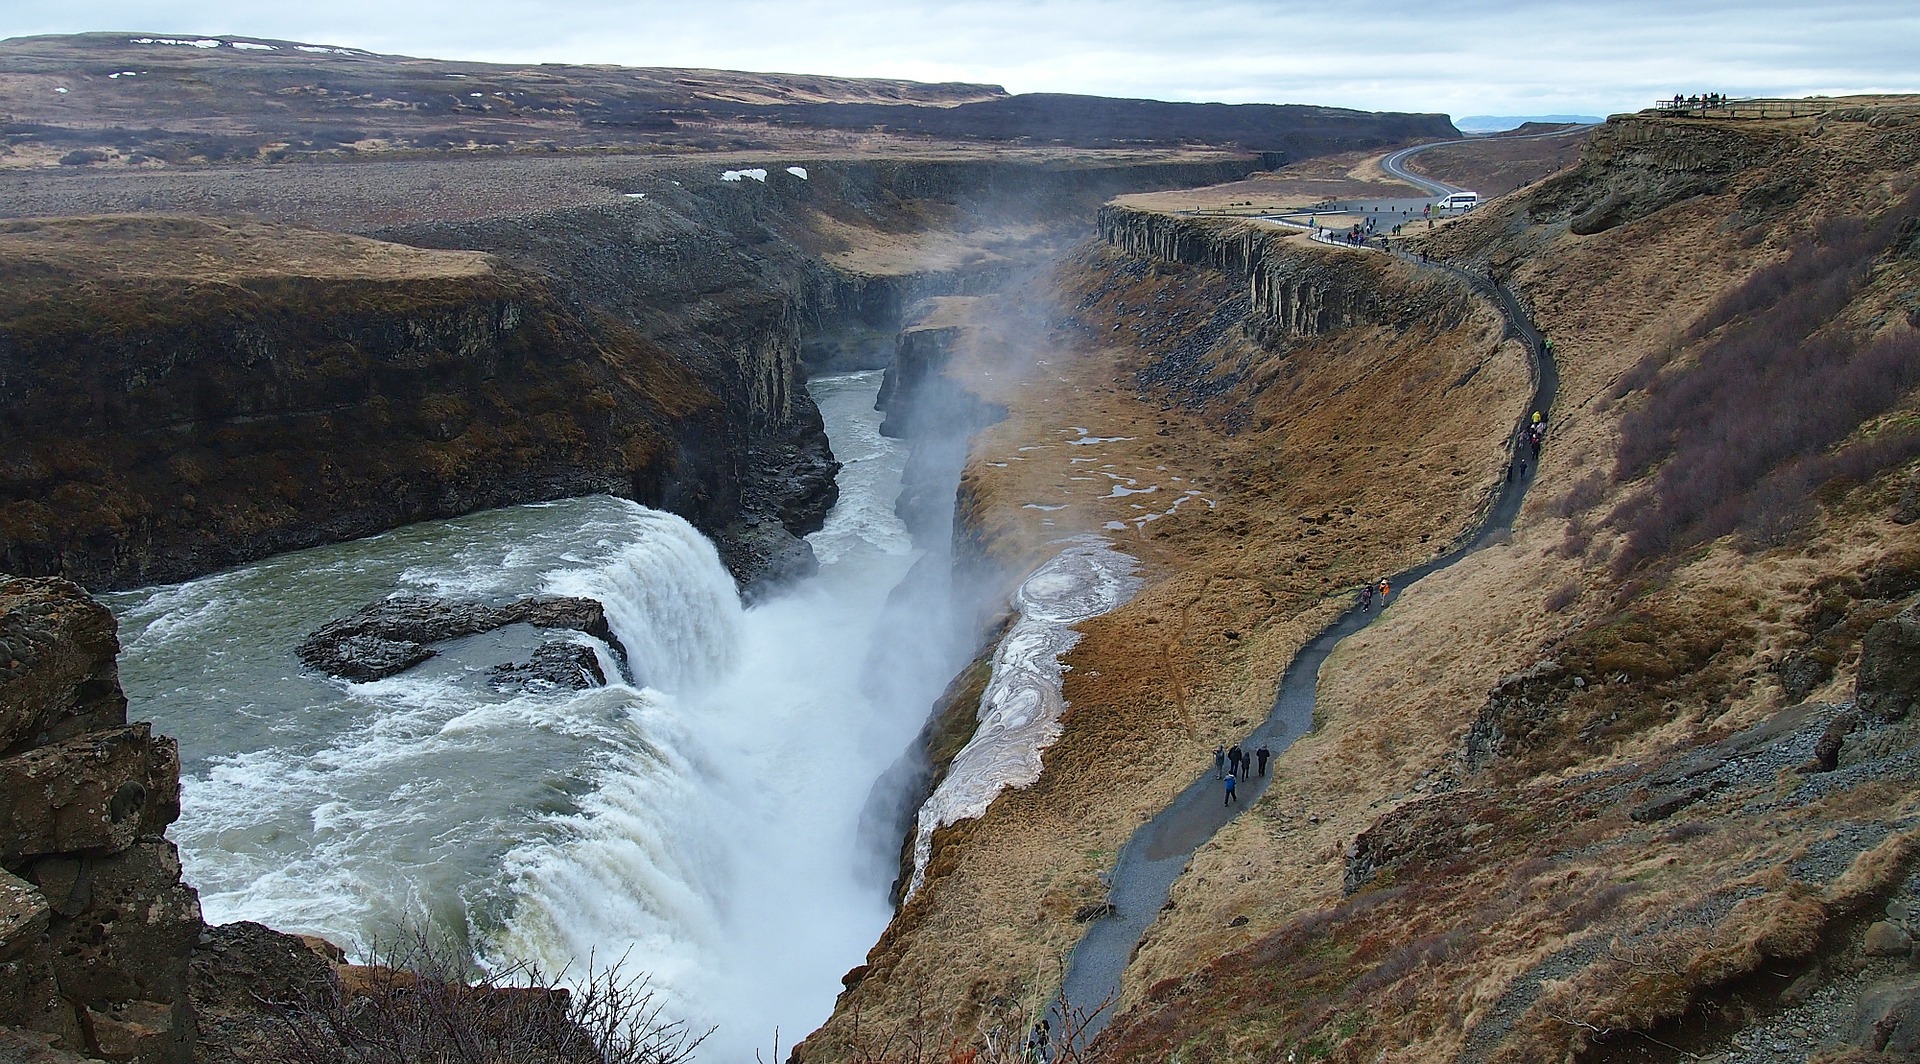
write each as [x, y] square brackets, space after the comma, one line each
[1638, 785]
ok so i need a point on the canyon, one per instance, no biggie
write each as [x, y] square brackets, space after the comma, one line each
[1632, 781]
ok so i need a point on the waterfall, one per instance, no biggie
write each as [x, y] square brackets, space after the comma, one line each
[698, 816]
[669, 600]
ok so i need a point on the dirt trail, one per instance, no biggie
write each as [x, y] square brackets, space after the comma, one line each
[1157, 853]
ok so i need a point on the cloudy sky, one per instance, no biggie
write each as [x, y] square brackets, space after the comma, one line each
[1457, 56]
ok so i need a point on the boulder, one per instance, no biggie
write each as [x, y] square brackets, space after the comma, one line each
[1889, 681]
[58, 677]
[34, 1047]
[1887, 1017]
[133, 1030]
[95, 793]
[1887, 939]
[23, 915]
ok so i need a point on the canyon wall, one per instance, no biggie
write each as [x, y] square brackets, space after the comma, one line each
[1289, 294]
[96, 928]
[184, 394]
[301, 388]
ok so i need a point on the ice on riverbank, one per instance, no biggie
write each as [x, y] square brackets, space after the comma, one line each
[1020, 710]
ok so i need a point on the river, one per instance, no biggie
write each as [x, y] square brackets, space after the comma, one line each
[701, 820]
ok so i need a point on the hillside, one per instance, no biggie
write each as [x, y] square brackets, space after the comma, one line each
[152, 100]
[1634, 783]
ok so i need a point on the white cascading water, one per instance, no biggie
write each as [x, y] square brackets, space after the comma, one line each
[701, 822]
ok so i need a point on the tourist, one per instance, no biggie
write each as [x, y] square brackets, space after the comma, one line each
[1219, 761]
[1232, 799]
[1237, 760]
[1385, 590]
[1261, 755]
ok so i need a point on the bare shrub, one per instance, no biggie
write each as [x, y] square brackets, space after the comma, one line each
[1736, 440]
[1582, 495]
[1563, 596]
[416, 1004]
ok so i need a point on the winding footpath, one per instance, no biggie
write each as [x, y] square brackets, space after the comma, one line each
[1156, 855]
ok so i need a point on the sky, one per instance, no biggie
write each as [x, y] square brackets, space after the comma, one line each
[1460, 57]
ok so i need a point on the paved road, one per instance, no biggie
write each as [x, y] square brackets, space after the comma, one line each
[1159, 850]
[1395, 163]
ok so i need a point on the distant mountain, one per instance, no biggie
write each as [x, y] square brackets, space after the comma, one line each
[1498, 123]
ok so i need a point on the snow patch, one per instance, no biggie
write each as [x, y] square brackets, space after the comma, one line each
[1020, 710]
[735, 175]
[62, 90]
[1085, 438]
[249, 46]
[203, 43]
[798, 171]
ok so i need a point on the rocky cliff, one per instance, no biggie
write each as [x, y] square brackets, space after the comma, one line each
[189, 393]
[1640, 782]
[182, 395]
[1290, 294]
[96, 928]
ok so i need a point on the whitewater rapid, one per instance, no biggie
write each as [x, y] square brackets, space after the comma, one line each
[701, 821]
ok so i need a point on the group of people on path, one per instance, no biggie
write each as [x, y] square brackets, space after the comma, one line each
[1232, 766]
[1039, 1048]
[1527, 443]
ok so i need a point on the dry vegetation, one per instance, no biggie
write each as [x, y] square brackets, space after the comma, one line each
[1565, 800]
[1538, 917]
[1283, 508]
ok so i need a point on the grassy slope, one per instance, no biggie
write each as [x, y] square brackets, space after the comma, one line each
[1290, 458]
[1545, 914]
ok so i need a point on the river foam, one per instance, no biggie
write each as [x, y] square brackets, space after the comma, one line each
[1021, 707]
[699, 818]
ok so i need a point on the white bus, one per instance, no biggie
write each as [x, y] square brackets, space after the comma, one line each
[1459, 201]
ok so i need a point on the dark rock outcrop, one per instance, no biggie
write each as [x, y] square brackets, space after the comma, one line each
[95, 925]
[1432, 829]
[1291, 291]
[1635, 165]
[392, 635]
[237, 967]
[557, 665]
[57, 672]
[1517, 706]
[1889, 682]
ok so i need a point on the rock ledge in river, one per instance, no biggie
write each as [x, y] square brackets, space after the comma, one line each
[391, 636]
